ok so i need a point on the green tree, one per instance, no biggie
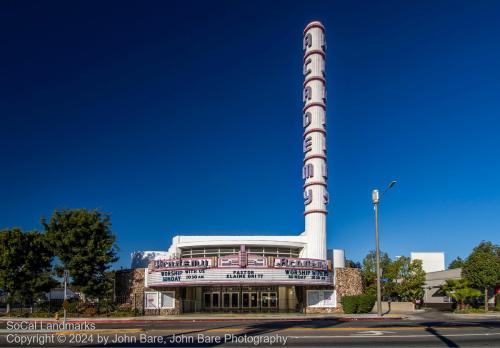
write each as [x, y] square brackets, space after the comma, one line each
[457, 263]
[412, 280]
[84, 243]
[460, 291]
[393, 275]
[351, 264]
[25, 264]
[369, 270]
[482, 268]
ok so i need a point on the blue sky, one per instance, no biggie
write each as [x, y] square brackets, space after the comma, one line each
[185, 118]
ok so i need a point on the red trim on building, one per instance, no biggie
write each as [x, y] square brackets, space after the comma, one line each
[313, 104]
[312, 130]
[314, 156]
[313, 78]
[315, 211]
[307, 184]
[311, 52]
[314, 25]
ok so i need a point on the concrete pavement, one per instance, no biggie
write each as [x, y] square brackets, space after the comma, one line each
[424, 332]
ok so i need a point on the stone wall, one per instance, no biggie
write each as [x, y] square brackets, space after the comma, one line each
[130, 290]
[348, 282]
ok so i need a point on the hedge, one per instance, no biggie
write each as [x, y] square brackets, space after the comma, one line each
[358, 304]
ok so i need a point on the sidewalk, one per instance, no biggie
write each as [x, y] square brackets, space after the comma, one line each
[220, 317]
[489, 315]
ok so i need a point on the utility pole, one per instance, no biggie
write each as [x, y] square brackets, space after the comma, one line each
[376, 199]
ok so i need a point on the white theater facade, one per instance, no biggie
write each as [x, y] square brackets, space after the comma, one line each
[257, 273]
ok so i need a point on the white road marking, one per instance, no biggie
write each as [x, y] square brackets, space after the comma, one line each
[398, 336]
[371, 333]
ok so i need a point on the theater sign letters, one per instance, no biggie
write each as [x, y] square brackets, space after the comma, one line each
[238, 270]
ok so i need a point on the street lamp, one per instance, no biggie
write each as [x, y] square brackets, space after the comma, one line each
[376, 199]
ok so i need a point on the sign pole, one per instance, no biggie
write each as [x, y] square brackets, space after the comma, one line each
[66, 274]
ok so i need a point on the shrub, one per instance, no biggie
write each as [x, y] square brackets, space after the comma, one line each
[90, 312]
[358, 303]
[40, 314]
[106, 307]
[74, 307]
[349, 304]
[123, 313]
[366, 303]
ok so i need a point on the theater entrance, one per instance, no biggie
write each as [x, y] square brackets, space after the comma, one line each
[239, 299]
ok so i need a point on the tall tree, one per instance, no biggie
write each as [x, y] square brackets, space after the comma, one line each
[25, 264]
[83, 241]
[412, 280]
[457, 263]
[369, 269]
[482, 268]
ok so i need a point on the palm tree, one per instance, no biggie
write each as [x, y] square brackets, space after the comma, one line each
[460, 291]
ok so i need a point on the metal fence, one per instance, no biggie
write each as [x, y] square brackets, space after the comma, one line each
[76, 308]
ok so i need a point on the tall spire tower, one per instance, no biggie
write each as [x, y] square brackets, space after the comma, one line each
[315, 171]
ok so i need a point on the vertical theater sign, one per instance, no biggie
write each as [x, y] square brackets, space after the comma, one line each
[315, 170]
[284, 272]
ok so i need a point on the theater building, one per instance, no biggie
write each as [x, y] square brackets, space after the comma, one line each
[257, 273]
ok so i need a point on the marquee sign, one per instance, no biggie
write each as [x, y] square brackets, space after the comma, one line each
[229, 261]
[242, 259]
[195, 263]
[238, 277]
[240, 268]
[300, 263]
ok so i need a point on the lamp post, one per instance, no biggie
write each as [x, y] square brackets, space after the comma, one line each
[376, 199]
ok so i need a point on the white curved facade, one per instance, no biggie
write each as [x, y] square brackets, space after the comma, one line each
[315, 170]
[180, 243]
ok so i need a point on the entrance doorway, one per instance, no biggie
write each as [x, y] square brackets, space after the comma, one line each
[243, 299]
[230, 300]
[269, 300]
[250, 300]
[211, 300]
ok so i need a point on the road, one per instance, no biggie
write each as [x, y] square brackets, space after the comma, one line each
[424, 332]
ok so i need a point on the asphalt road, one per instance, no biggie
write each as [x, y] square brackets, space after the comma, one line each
[299, 333]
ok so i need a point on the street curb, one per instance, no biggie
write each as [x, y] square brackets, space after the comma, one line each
[371, 319]
[151, 321]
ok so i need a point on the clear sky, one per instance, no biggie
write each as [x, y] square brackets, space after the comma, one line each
[185, 118]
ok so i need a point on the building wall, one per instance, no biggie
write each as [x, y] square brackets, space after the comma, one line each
[431, 261]
[433, 283]
[130, 288]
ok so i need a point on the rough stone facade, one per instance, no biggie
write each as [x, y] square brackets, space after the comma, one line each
[130, 288]
[348, 282]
